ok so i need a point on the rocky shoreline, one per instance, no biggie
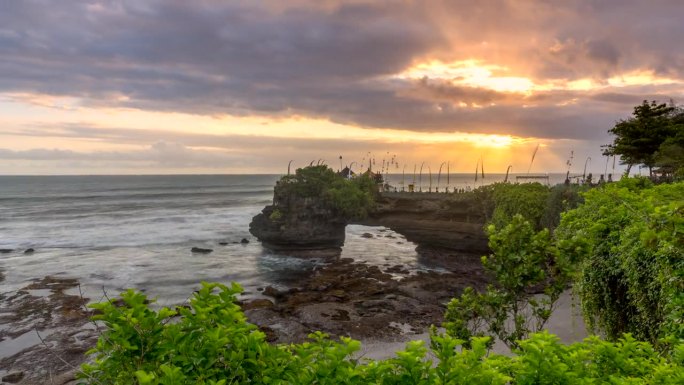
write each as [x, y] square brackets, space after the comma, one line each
[45, 332]
[341, 298]
[347, 298]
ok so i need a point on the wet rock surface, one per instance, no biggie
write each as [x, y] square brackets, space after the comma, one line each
[45, 332]
[347, 298]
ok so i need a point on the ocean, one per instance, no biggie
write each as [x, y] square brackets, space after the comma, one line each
[118, 232]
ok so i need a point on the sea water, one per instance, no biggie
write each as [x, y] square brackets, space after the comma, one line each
[118, 232]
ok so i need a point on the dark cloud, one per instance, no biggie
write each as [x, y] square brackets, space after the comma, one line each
[336, 60]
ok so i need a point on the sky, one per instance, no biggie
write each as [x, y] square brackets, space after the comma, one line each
[208, 86]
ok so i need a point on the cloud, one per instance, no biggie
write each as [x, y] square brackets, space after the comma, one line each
[336, 60]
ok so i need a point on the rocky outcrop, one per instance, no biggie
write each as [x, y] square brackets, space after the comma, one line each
[449, 221]
[296, 223]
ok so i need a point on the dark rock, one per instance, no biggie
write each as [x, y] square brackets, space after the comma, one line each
[13, 378]
[342, 315]
[271, 335]
[5, 251]
[272, 292]
[244, 241]
[367, 235]
[397, 269]
[29, 250]
[261, 303]
[223, 243]
[200, 250]
[260, 289]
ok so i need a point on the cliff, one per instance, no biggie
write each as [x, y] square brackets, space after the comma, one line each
[299, 224]
[450, 221]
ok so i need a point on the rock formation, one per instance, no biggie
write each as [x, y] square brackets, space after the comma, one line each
[448, 221]
[298, 223]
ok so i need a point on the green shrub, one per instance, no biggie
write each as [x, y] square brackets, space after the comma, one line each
[276, 215]
[526, 199]
[210, 342]
[538, 204]
[628, 239]
[523, 262]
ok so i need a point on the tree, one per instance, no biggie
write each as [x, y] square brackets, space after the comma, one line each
[638, 138]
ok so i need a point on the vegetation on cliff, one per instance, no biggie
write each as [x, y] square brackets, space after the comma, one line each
[623, 246]
[350, 198]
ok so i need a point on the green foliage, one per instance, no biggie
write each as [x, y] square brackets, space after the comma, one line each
[522, 262]
[638, 140]
[351, 198]
[627, 239]
[526, 199]
[670, 155]
[538, 204]
[561, 198]
[276, 215]
[210, 342]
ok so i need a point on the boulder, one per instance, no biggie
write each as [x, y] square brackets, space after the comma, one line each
[260, 303]
[272, 292]
[200, 250]
[244, 241]
[13, 378]
[29, 251]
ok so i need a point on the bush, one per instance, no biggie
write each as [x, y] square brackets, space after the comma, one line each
[628, 239]
[526, 199]
[523, 262]
[538, 204]
[210, 342]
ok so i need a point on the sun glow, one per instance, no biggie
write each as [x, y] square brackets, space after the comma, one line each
[471, 73]
[478, 74]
